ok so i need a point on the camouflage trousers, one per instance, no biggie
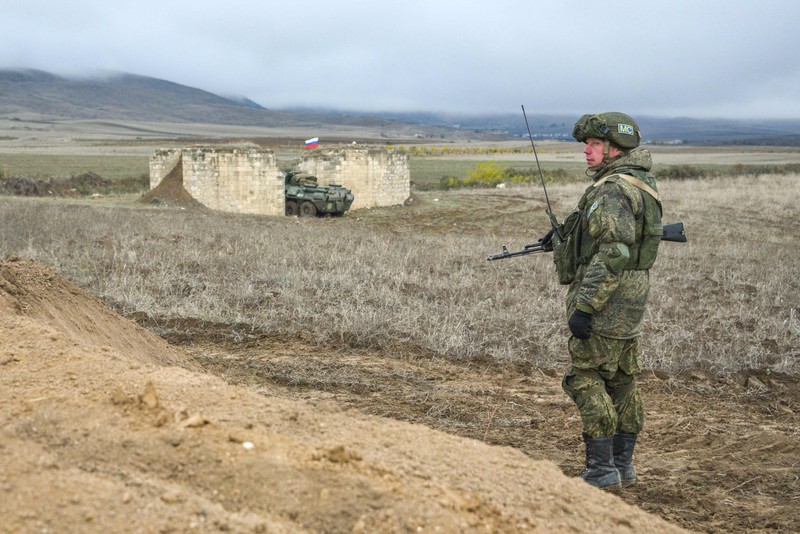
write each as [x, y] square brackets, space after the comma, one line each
[601, 382]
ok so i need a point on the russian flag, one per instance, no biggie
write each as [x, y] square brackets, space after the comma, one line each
[312, 143]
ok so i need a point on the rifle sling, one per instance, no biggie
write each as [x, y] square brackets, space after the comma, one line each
[633, 181]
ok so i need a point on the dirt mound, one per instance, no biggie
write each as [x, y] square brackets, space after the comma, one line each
[170, 191]
[30, 289]
[82, 184]
[96, 436]
[86, 182]
[25, 187]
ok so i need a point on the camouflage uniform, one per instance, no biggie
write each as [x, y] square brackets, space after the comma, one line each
[609, 285]
[604, 251]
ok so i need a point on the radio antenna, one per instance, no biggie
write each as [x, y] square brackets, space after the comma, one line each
[536, 155]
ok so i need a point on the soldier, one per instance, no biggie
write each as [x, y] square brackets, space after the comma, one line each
[607, 247]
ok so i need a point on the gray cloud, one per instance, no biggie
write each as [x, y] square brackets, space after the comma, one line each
[717, 58]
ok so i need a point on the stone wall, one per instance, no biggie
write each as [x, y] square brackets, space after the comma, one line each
[237, 180]
[377, 177]
[249, 180]
[161, 164]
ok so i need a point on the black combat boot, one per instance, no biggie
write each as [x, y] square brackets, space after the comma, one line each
[600, 470]
[623, 457]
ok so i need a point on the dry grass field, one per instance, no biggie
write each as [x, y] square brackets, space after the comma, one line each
[396, 312]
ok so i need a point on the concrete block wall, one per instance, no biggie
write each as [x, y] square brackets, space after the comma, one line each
[377, 177]
[237, 180]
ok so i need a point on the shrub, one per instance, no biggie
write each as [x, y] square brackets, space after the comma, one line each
[486, 174]
[450, 182]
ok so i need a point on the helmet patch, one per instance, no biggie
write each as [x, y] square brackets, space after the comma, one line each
[612, 126]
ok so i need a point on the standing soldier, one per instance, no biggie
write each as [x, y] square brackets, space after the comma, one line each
[606, 248]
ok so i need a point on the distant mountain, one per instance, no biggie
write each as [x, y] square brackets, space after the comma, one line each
[722, 131]
[46, 96]
[120, 96]
[654, 130]
[33, 93]
[244, 101]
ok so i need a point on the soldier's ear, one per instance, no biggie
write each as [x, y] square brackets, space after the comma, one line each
[613, 151]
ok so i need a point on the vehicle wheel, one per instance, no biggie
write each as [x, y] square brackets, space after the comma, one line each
[307, 209]
[291, 208]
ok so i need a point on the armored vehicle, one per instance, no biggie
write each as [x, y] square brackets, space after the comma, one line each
[306, 198]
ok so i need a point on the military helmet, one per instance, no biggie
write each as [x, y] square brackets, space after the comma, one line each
[616, 127]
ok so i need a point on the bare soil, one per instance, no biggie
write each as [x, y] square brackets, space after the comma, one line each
[106, 427]
[171, 192]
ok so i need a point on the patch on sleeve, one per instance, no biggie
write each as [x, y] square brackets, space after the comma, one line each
[592, 208]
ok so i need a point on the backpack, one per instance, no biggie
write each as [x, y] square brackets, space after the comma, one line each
[644, 256]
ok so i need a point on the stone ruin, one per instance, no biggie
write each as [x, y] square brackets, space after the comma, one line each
[377, 177]
[250, 180]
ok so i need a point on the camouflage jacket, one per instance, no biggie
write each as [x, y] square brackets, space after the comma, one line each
[605, 285]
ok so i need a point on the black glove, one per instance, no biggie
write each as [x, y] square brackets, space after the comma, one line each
[547, 241]
[580, 324]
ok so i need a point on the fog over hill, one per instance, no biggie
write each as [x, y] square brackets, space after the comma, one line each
[131, 97]
[654, 129]
[121, 96]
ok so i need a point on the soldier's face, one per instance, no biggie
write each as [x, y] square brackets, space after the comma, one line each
[594, 151]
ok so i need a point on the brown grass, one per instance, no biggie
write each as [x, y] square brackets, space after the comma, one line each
[416, 278]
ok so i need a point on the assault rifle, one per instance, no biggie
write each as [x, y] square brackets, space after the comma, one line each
[672, 232]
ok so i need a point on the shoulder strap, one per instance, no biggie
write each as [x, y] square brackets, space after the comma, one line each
[633, 181]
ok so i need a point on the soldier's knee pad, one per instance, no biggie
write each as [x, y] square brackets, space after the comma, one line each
[581, 384]
[587, 390]
[566, 385]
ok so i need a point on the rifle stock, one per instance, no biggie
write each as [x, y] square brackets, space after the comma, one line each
[674, 232]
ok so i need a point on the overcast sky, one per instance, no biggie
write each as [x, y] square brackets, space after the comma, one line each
[697, 58]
